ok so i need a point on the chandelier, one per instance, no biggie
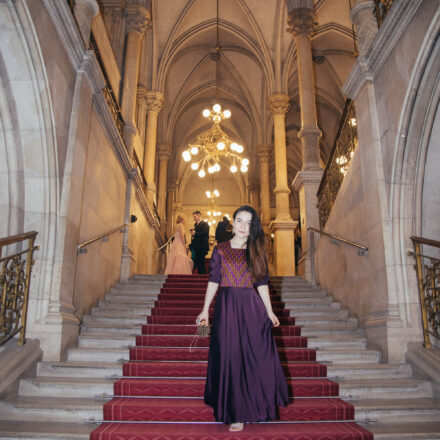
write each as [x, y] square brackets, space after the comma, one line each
[214, 148]
[213, 212]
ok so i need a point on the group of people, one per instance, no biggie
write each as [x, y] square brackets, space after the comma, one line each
[245, 382]
[178, 261]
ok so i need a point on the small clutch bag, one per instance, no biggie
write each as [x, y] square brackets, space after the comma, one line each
[203, 329]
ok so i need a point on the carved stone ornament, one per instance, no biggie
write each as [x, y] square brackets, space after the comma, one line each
[279, 103]
[263, 153]
[363, 18]
[154, 101]
[302, 21]
[164, 152]
[137, 19]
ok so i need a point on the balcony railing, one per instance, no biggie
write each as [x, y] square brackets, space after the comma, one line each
[340, 158]
[15, 278]
[428, 276]
[382, 8]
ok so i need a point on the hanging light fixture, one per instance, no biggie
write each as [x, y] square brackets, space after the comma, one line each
[214, 148]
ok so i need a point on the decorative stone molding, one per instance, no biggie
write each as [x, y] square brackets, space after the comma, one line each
[362, 16]
[284, 225]
[254, 184]
[172, 185]
[297, 4]
[154, 100]
[302, 21]
[141, 93]
[306, 176]
[366, 67]
[84, 12]
[164, 152]
[137, 19]
[279, 103]
[309, 136]
[263, 152]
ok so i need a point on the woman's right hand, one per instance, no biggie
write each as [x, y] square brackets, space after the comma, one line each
[204, 316]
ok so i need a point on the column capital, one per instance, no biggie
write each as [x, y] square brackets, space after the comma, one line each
[279, 103]
[164, 151]
[305, 177]
[302, 21]
[141, 92]
[172, 184]
[154, 100]
[254, 184]
[363, 17]
[137, 19]
[263, 152]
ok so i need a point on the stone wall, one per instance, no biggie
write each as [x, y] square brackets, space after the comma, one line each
[378, 204]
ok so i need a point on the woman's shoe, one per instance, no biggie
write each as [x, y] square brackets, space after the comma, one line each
[236, 427]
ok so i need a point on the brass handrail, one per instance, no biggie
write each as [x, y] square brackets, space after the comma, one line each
[428, 280]
[15, 278]
[343, 240]
[81, 248]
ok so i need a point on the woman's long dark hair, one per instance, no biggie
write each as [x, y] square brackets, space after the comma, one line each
[256, 254]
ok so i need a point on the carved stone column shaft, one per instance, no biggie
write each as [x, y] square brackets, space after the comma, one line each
[84, 12]
[263, 159]
[154, 104]
[164, 152]
[171, 194]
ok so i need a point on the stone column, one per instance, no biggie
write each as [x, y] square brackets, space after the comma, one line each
[164, 152]
[154, 105]
[363, 17]
[306, 182]
[85, 11]
[141, 119]
[283, 226]
[137, 20]
[263, 159]
[254, 188]
[171, 195]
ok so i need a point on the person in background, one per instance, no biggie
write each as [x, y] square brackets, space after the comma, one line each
[178, 262]
[223, 231]
[200, 242]
[193, 253]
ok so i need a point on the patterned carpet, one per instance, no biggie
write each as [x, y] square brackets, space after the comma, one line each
[161, 394]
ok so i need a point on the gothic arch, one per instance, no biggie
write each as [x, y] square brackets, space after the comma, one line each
[30, 154]
[410, 166]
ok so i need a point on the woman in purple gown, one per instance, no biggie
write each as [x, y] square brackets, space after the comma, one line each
[245, 382]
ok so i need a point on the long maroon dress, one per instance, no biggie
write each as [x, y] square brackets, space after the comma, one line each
[245, 381]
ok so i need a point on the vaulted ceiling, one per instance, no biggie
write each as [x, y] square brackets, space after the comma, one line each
[258, 58]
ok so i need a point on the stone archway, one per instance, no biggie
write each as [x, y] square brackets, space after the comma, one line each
[415, 178]
[28, 154]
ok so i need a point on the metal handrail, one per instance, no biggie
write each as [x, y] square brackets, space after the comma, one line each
[15, 278]
[81, 247]
[428, 280]
[335, 237]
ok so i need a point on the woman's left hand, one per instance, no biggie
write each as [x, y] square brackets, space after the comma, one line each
[274, 319]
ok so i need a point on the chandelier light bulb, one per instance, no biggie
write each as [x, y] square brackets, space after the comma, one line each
[240, 149]
[221, 146]
[234, 146]
[186, 156]
[216, 193]
[227, 114]
[209, 223]
[233, 168]
[202, 173]
[194, 166]
[211, 170]
[208, 194]
[206, 113]
[214, 222]
[243, 169]
[217, 167]
[209, 212]
[217, 108]
[194, 150]
[245, 162]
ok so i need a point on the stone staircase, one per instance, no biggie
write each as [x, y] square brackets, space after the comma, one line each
[64, 396]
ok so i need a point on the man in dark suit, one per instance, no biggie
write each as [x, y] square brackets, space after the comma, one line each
[200, 241]
[223, 232]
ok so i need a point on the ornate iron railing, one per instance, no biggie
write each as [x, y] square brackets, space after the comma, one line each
[382, 8]
[15, 278]
[428, 276]
[340, 158]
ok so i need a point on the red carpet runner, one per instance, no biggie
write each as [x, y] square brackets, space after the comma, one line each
[164, 381]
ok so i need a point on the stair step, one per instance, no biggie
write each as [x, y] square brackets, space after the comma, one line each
[394, 410]
[98, 354]
[118, 341]
[90, 369]
[115, 328]
[43, 430]
[405, 431]
[368, 371]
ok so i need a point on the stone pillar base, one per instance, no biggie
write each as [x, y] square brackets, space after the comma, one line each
[284, 247]
[126, 259]
[307, 182]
